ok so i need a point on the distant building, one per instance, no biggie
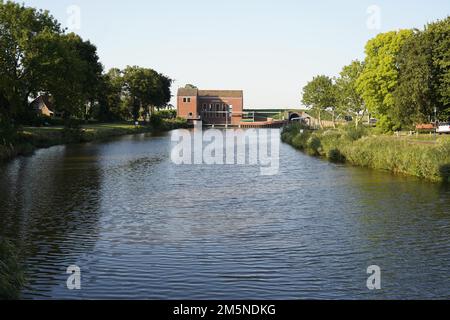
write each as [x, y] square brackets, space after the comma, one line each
[211, 106]
[42, 106]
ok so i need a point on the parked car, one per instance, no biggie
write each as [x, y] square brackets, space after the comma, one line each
[443, 127]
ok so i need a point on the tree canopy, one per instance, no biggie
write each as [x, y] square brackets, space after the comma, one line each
[319, 94]
[22, 53]
[38, 57]
[404, 78]
[379, 78]
[349, 100]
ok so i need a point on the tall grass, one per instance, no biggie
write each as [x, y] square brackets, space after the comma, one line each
[29, 139]
[360, 147]
[11, 275]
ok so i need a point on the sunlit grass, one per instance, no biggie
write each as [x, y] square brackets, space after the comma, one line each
[30, 138]
[423, 156]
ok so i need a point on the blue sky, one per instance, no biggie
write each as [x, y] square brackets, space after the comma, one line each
[269, 49]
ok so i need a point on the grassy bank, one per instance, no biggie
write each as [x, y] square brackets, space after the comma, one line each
[424, 156]
[32, 138]
[11, 273]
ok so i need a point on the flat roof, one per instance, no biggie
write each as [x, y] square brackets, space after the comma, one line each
[210, 93]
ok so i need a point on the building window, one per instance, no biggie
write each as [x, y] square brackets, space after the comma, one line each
[186, 100]
[190, 114]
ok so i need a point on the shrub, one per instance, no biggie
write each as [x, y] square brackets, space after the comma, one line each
[300, 140]
[334, 155]
[386, 125]
[314, 145]
[156, 121]
[352, 133]
[167, 114]
[8, 132]
[72, 130]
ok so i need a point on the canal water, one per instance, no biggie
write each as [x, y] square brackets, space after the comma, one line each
[139, 226]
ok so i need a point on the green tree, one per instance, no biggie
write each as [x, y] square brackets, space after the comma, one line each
[92, 72]
[138, 85]
[72, 72]
[21, 29]
[414, 97]
[438, 34]
[320, 95]
[379, 78]
[36, 57]
[424, 74]
[111, 106]
[164, 95]
[349, 99]
[12, 277]
[145, 89]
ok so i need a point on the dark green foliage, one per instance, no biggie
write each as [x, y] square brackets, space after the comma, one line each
[144, 89]
[156, 121]
[445, 172]
[313, 145]
[38, 57]
[12, 278]
[8, 131]
[167, 114]
[424, 82]
[414, 99]
[334, 155]
[72, 131]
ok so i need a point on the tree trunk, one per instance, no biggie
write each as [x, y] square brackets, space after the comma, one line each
[334, 120]
[320, 119]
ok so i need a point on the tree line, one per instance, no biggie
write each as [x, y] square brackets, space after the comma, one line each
[38, 57]
[403, 81]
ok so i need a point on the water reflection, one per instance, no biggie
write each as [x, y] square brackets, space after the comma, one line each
[142, 227]
[50, 208]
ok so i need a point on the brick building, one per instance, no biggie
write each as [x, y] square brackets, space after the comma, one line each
[219, 107]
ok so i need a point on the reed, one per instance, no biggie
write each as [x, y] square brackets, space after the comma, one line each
[420, 157]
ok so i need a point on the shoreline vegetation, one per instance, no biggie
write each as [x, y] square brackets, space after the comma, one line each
[401, 85]
[55, 90]
[424, 156]
[29, 139]
[12, 277]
